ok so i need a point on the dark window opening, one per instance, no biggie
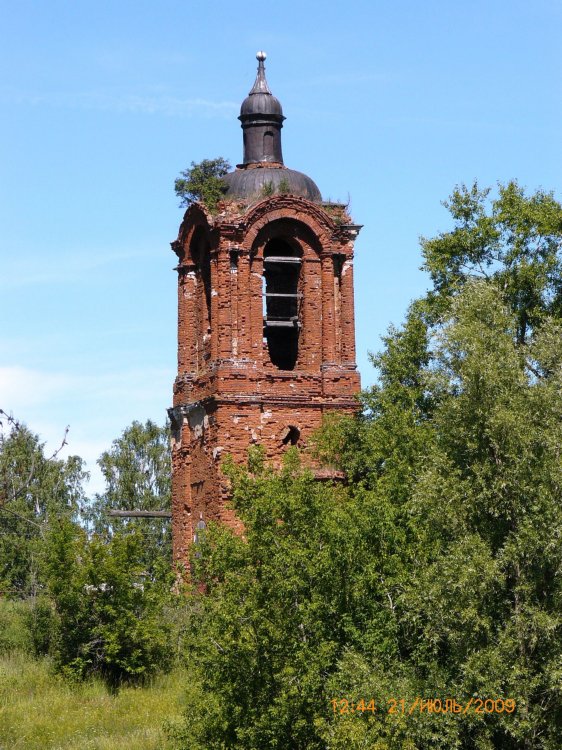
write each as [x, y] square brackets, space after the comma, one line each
[291, 436]
[282, 303]
[201, 255]
[268, 144]
[206, 279]
[338, 261]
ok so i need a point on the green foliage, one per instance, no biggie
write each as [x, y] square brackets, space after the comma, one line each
[14, 634]
[202, 182]
[137, 472]
[515, 242]
[40, 624]
[108, 610]
[476, 592]
[97, 605]
[34, 489]
[280, 608]
[26, 625]
[436, 572]
[486, 511]
[268, 189]
[284, 186]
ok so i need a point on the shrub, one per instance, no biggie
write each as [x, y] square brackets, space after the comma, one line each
[108, 612]
[202, 182]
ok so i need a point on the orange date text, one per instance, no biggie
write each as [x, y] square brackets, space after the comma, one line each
[411, 706]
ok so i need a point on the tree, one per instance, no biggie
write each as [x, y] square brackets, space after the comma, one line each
[478, 599]
[515, 242]
[436, 572]
[137, 472]
[278, 609]
[108, 612]
[34, 490]
[202, 182]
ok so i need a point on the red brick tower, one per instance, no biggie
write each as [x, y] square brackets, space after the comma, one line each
[266, 337]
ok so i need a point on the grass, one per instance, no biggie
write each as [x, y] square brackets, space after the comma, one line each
[40, 711]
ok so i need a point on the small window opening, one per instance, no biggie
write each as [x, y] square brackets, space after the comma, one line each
[292, 436]
[268, 144]
[281, 303]
[338, 265]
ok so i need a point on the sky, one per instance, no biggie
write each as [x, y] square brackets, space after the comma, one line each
[103, 104]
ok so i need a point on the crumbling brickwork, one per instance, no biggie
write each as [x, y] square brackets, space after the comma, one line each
[256, 365]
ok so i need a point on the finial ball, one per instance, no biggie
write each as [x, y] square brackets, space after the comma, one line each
[261, 56]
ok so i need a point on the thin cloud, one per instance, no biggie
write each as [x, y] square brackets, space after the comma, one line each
[29, 271]
[169, 106]
[21, 387]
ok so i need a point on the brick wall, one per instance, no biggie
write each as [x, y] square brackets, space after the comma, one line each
[228, 394]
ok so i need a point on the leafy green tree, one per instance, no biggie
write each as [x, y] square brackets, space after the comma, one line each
[514, 241]
[108, 612]
[34, 490]
[436, 572]
[137, 472]
[278, 608]
[477, 596]
[202, 182]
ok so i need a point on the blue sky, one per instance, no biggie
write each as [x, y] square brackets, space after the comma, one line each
[104, 103]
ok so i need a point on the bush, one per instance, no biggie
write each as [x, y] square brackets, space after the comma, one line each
[108, 612]
[14, 633]
[202, 182]
[40, 623]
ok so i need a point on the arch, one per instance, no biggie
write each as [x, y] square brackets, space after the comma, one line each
[289, 208]
[291, 288]
[198, 267]
[200, 256]
[195, 217]
[282, 262]
[295, 233]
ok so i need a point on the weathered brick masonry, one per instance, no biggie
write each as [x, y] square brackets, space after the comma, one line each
[266, 340]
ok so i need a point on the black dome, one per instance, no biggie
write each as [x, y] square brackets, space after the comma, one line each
[262, 170]
[261, 104]
[254, 183]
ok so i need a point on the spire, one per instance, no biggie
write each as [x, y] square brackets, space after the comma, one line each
[260, 86]
[262, 118]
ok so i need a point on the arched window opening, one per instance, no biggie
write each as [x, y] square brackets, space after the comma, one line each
[200, 252]
[268, 144]
[292, 435]
[199, 249]
[338, 260]
[281, 273]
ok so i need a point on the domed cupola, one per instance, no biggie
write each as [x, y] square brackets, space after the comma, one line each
[260, 104]
[262, 118]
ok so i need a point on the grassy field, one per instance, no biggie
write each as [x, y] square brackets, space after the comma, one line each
[39, 711]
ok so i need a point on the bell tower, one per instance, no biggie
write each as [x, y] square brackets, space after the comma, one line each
[266, 333]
